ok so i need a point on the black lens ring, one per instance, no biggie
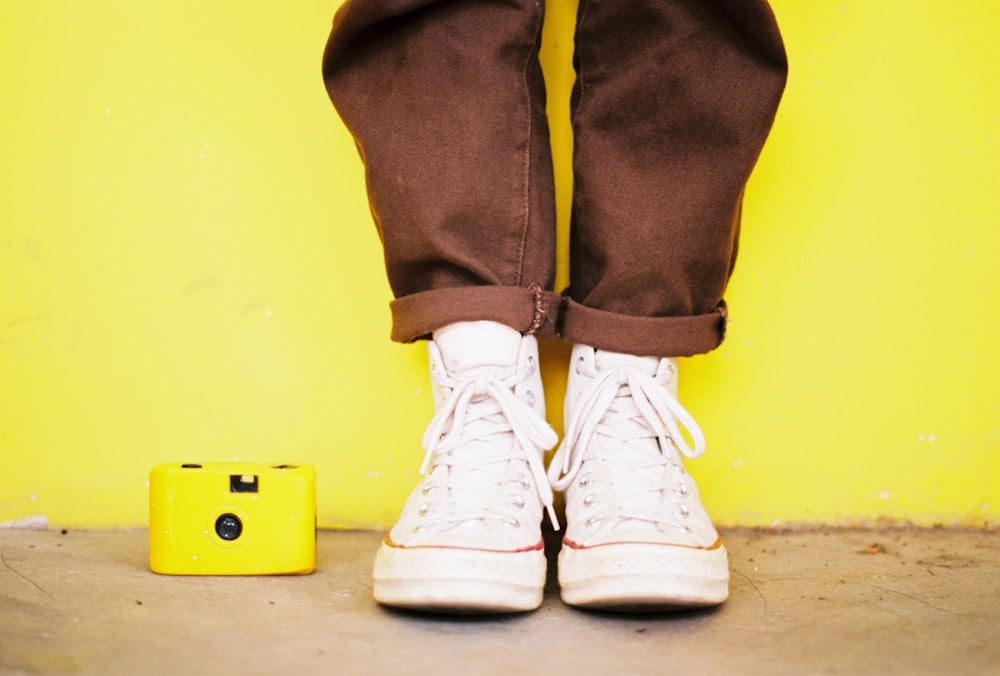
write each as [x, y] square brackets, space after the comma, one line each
[228, 527]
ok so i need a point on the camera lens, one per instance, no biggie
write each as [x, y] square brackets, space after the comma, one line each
[228, 526]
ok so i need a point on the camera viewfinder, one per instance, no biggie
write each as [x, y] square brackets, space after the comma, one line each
[243, 483]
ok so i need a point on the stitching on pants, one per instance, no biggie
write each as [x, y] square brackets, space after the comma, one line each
[577, 259]
[723, 311]
[541, 309]
[578, 47]
[526, 189]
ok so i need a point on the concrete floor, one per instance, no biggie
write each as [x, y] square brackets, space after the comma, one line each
[869, 602]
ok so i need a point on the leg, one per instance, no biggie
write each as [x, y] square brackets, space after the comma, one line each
[672, 104]
[447, 105]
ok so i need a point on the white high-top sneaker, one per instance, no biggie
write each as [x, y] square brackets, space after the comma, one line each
[469, 538]
[637, 535]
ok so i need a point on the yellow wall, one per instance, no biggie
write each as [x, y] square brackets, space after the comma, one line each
[188, 269]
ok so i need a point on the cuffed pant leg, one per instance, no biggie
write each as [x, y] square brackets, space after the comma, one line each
[672, 104]
[530, 311]
[447, 105]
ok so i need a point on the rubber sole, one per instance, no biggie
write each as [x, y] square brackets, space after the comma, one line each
[438, 579]
[637, 577]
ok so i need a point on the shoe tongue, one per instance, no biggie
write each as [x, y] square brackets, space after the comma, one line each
[470, 346]
[614, 360]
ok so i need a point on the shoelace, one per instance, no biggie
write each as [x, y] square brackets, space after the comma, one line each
[656, 413]
[478, 408]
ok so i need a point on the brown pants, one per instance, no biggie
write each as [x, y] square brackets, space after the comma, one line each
[671, 106]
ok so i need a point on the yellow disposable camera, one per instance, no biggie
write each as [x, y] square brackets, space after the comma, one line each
[232, 518]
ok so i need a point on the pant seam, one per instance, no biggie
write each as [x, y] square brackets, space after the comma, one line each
[580, 79]
[528, 146]
[576, 221]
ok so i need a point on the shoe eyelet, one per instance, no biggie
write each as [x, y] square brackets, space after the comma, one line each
[682, 490]
[518, 502]
[417, 529]
[585, 481]
[512, 522]
[684, 511]
[594, 520]
[524, 482]
[588, 501]
[424, 509]
[529, 396]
